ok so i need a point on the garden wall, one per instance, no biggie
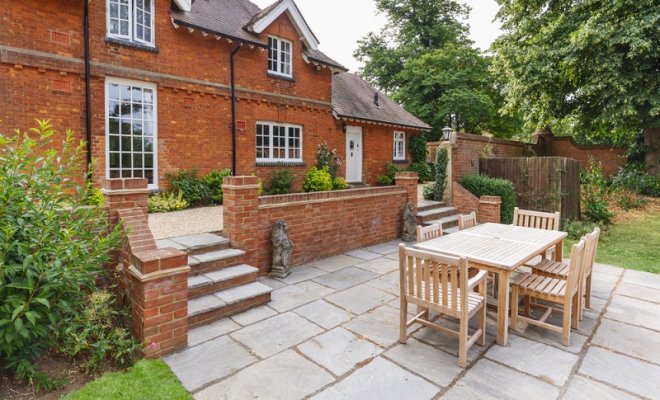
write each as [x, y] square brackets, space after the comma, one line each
[320, 224]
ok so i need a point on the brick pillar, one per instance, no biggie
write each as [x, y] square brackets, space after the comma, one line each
[409, 181]
[154, 280]
[489, 209]
[241, 213]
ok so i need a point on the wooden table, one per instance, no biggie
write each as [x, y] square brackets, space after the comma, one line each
[501, 249]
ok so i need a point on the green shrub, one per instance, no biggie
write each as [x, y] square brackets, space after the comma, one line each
[391, 169]
[93, 334]
[576, 228]
[384, 180]
[166, 202]
[94, 196]
[628, 200]
[594, 191]
[427, 192]
[281, 182]
[327, 158]
[339, 183]
[193, 188]
[423, 171]
[441, 161]
[418, 149]
[317, 180]
[482, 185]
[213, 182]
[52, 249]
[638, 182]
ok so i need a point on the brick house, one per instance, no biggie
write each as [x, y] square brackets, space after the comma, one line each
[166, 85]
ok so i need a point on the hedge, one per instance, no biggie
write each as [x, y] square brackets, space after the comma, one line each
[482, 185]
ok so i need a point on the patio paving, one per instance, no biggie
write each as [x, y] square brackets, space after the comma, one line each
[331, 332]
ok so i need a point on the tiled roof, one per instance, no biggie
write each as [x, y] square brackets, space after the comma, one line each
[229, 18]
[353, 97]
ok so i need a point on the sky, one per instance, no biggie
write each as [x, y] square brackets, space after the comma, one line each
[339, 24]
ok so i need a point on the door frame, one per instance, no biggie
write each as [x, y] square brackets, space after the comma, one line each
[355, 130]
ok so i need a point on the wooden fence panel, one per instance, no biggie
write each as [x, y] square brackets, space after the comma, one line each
[542, 183]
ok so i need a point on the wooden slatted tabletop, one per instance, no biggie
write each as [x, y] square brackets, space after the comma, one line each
[501, 249]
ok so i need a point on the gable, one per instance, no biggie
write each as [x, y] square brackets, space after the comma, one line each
[266, 17]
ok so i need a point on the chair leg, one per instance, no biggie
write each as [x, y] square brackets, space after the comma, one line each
[462, 343]
[566, 325]
[587, 293]
[403, 321]
[483, 289]
[526, 306]
[514, 307]
[575, 311]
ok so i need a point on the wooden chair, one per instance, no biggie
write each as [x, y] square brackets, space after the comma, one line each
[425, 233]
[536, 219]
[439, 283]
[559, 291]
[467, 221]
[559, 270]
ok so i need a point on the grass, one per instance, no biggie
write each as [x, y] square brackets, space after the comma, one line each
[147, 379]
[633, 242]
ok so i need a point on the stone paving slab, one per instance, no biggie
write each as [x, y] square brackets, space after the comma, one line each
[285, 376]
[345, 278]
[363, 254]
[290, 297]
[380, 325]
[335, 263]
[360, 299]
[388, 283]
[385, 248]
[582, 388]
[323, 313]
[624, 372]
[641, 278]
[302, 273]
[435, 365]
[208, 362]
[380, 380]
[253, 315]
[450, 343]
[634, 312]
[492, 381]
[211, 331]
[639, 292]
[339, 350]
[545, 362]
[194, 242]
[380, 265]
[275, 334]
[629, 339]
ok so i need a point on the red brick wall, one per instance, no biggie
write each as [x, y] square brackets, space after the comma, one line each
[610, 158]
[468, 150]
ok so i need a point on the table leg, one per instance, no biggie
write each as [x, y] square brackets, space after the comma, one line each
[503, 308]
[559, 251]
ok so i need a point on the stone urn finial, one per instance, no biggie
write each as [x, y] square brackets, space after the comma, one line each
[409, 224]
[282, 248]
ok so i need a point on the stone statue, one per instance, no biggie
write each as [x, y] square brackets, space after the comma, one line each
[409, 224]
[282, 248]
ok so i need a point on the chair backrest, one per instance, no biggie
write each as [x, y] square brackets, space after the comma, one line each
[425, 233]
[575, 267]
[536, 219]
[590, 251]
[467, 221]
[432, 278]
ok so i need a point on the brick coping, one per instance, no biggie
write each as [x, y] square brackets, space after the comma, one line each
[316, 197]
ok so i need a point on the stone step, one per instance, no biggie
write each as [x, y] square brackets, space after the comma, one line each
[447, 222]
[425, 205]
[196, 244]
[211, 282]
[450, 230]
[436, 213]
[227, 302]
[214, 260]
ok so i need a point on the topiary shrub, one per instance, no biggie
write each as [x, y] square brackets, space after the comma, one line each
[53, 245]
[166, 202]
[441, 161]
[317, 180]
[281, 182]
[482, 185]
[418, 150]
[213, 182]
[339, 183]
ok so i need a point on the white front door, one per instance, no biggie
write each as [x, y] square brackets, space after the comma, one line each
[354, 154]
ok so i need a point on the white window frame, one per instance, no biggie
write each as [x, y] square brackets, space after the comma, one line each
[271, 159]
[279, 50]
[132, 21]
[144, 85]
[396, 140]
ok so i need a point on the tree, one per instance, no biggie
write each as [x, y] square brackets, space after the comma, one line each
[593, 63]
[424, 60]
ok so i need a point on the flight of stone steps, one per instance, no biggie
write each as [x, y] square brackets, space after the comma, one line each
[433, 212]
[220, 284]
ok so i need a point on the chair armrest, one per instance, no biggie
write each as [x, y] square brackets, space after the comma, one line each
[477, 279]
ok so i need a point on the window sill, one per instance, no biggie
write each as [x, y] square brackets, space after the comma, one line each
[282, 77]
[399, 161]
[280, 164]
[128, 43]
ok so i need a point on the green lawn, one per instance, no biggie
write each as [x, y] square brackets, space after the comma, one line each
[148, 379]
[632, 244]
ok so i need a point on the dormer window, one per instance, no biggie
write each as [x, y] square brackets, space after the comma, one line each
[279, 57]
[131, 20]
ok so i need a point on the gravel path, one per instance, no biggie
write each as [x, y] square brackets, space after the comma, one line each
[186, 222]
